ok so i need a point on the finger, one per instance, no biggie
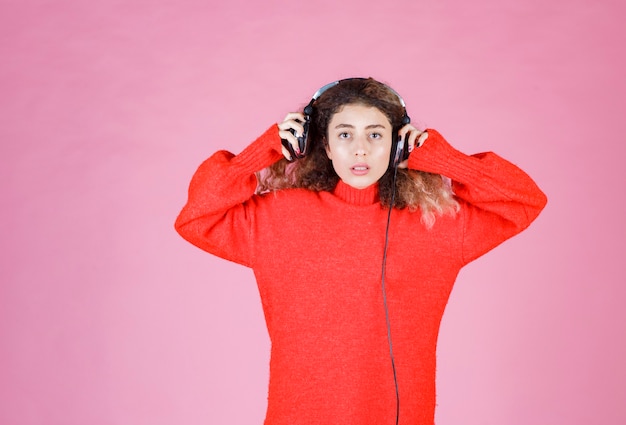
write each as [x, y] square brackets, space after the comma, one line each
[294, 125]
[291, 148]
[298, 116]
[290, 137]
[287, 154]
[408, 128]
[294, 117]
[409, 133]
[422, 138]
[412, 136]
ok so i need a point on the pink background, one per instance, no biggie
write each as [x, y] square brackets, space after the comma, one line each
[107, 107]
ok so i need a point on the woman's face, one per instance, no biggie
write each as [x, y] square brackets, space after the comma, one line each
[359, 144]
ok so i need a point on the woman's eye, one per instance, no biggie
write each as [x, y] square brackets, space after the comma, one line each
[344, 135]
[376, 135]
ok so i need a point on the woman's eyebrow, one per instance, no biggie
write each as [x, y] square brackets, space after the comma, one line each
[351, 126]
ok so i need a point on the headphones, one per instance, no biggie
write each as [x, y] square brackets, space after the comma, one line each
[399, 150]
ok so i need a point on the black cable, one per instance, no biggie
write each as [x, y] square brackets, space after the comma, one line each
[393, 363]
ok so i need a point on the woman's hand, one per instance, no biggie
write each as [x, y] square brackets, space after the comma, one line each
[416, 139]
[290, 125]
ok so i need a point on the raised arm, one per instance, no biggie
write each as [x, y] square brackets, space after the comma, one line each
[498, 199]
[217, 216]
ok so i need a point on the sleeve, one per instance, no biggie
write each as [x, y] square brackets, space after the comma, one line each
[498, 200]
[218, 214]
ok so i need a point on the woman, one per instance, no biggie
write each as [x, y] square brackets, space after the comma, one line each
[355, 251]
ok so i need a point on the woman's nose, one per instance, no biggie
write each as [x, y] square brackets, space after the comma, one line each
[360, 146]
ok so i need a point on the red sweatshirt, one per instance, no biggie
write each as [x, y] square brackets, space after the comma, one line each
[317, 258]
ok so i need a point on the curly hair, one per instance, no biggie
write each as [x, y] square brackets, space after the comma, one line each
[417, 190]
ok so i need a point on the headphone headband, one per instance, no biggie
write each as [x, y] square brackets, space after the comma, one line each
[309, 108]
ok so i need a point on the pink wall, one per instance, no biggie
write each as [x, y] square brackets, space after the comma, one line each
[108, 317]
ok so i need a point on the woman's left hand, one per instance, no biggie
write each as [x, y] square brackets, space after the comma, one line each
[416, 139]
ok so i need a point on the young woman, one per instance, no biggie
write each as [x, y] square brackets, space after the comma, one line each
[355, 253]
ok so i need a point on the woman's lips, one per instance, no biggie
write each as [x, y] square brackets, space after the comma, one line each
[360, 169]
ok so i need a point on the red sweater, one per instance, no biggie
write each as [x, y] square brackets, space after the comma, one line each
[317, 258]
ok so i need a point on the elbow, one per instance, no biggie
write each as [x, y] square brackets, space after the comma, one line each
[533, 209]
[542, 201]
[183, 227]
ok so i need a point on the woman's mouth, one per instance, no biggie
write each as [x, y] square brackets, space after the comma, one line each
[360, 169]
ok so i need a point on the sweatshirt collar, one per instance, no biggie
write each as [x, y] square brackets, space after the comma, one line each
[361, 197]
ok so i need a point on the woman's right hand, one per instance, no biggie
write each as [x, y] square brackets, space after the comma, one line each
[293, 121]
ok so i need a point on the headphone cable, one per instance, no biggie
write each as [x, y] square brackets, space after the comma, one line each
[384, 267]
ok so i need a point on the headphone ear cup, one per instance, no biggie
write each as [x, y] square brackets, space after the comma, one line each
[404, 155]
[303, 141]
[399, 149]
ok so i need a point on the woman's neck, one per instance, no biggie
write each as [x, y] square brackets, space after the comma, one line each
[352, 195]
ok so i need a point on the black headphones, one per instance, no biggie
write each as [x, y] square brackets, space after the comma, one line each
[399, 150]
